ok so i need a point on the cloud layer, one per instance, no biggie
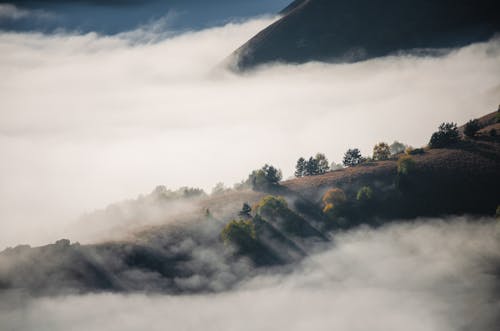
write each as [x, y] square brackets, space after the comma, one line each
[432, 275]
[86, 120]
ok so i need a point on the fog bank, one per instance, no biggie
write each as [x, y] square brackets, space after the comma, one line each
[432, 275]
[86, 120]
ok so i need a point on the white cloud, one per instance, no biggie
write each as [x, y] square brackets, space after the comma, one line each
[11, 12]
[87, 120]
[421, 276]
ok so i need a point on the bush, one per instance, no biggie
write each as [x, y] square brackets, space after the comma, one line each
[364, 194]
[446, 135]
[493, 133]
[332, 199]
[240, 233]
[471, 128]
[381, 151]
[406, 164]
[352, 157]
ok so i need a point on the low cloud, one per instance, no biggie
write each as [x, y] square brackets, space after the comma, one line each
[427, 275]
[14, 13]
[86, 120]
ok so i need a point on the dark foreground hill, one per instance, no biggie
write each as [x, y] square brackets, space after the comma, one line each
[204, 251]
[344, 31]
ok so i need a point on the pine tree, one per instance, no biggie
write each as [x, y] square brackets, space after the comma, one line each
[322, 162]
[245, 211]
[300, 167]
[311, 167]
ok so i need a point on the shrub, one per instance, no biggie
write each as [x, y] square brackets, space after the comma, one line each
[493, 133]
[446, 135]
[364, 194]
[352, 157]
[381, 151]
[471, 128]
[241, 233]
[332, 199]
[406, 164]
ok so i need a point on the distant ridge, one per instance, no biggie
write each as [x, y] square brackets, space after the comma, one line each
[348, 31]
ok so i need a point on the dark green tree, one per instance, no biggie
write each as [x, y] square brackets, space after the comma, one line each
[312, 168]
[264, 178]
[322, 161]
[300, 167]
[471, 128]
[245, 211]
[446, 135]
[352, 157]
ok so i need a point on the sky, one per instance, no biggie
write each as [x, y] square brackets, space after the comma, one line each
[114, 16]
[88, 119]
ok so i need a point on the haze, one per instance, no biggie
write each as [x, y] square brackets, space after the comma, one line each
[86, 120]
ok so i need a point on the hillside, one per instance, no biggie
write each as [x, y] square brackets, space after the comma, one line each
[346, 31]
[194, 246]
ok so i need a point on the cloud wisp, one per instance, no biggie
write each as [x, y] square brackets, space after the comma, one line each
[86, 120]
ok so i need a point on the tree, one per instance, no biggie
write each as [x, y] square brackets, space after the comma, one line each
[312, 168]
[352, 157]
[271, 206]
[332, 199]
[381, 151]
[272, 174]
[471, 128]
[397, 148]
[245, 211]
[240, 233]
[364, 194]
[300, 167]
[322, 162]
[264, 178]
[446, 135]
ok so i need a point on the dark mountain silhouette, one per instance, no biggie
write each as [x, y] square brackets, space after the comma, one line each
[346, 31]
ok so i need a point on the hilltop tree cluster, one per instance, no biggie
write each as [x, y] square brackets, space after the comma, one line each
[317, 165]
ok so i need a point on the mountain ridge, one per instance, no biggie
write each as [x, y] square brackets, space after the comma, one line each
[337, 31]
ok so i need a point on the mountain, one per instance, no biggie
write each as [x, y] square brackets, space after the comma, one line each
[198, 248]
[346, 31]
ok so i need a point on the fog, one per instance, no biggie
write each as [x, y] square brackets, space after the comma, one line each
[427, 275]
[86, 120]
